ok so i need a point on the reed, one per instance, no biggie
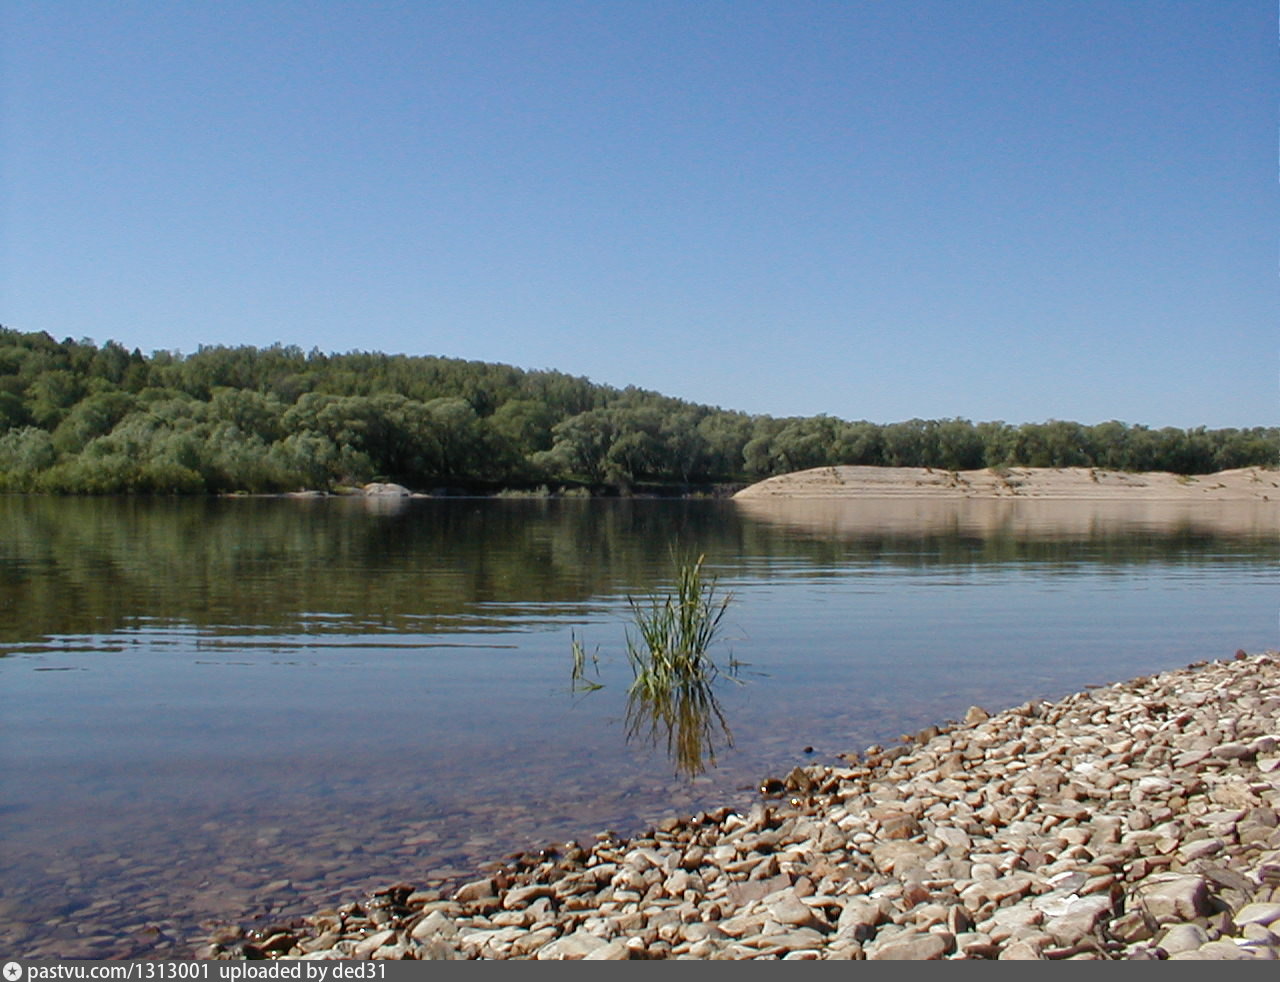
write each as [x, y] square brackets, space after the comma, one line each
[674, 634]
[672, 693]
[580, 682]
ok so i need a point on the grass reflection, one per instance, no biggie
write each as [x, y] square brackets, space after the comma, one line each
[687, 715]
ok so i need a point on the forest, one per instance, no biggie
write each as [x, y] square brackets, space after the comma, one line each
[81, 418]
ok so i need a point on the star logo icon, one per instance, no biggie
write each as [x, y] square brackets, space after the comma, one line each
[12, 971]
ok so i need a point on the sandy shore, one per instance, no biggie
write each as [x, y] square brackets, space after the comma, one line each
[1067, 483]
[1139, 820]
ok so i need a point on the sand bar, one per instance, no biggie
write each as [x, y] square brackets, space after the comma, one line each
[1021, 483]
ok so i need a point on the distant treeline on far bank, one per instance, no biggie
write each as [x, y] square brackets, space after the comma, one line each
[77, 418]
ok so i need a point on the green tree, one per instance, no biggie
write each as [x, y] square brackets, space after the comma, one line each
[525, 425]
[51, 395]
[249, 411]
[24, 453]
[91, 417]
[581, 446]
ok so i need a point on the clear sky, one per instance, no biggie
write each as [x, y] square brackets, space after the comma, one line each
[875, 209]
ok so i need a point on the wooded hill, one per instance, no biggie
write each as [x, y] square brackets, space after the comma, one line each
[77, 417]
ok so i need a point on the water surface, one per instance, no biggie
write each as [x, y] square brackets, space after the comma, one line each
[245, 709]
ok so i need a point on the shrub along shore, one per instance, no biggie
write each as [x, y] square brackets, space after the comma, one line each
[79, 418]
[1133, 821]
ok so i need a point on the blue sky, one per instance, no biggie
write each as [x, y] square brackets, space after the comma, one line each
[875, 209]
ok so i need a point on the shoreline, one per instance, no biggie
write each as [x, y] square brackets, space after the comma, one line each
[1136, 820]
[1018, 483]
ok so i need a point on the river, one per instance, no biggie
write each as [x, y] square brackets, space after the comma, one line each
[239, 710]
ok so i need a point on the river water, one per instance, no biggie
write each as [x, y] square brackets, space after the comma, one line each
[241, 710]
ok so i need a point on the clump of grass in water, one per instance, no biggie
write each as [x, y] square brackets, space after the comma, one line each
[676, 632]
[672, 691]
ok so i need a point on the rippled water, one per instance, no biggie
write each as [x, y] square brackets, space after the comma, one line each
[240, 710]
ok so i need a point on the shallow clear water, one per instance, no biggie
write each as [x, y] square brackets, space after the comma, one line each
[242, 710]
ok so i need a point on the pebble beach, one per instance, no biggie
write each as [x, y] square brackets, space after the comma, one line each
[1138, 820]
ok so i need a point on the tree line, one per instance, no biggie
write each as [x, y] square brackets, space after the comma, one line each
[81, 418]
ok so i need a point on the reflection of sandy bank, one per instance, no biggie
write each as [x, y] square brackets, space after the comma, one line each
[1074, 483]
[384, 504]
[843, 518]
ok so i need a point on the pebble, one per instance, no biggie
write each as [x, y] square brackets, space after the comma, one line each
[1132, 821]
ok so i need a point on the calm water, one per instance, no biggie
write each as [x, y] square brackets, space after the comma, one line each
[243, 710]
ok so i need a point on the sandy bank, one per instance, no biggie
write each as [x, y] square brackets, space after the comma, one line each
[1133, 821]
[1068, 483]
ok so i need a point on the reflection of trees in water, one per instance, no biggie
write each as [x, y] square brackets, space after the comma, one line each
[93, 566]
[76, 566]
